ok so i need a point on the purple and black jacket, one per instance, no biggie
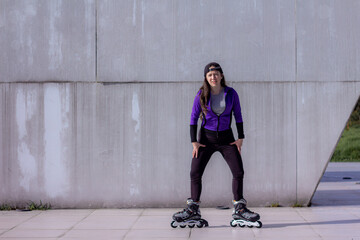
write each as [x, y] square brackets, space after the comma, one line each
[216, 123]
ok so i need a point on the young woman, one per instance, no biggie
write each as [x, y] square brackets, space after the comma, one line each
[214, 104]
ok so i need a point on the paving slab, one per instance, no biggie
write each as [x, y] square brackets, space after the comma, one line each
[320, 222]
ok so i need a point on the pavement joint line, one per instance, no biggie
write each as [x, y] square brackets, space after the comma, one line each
[308, 223]
[189, 237]
[132, 226]
[351, 212]
[71, 228]
[20, 223]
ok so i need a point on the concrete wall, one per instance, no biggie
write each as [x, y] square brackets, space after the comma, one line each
[96, 97]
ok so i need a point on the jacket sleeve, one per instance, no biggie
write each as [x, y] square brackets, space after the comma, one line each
[195, 113]
[238, 116]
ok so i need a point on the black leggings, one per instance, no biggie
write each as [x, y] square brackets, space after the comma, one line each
[217, 142]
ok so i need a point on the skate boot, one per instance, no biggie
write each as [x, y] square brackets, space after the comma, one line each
[243, 216]
[190, 216]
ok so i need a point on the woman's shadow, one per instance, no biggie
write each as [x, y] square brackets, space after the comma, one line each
[282, 225]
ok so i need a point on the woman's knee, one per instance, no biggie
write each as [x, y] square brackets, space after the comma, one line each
[195, 175]
[238, 175]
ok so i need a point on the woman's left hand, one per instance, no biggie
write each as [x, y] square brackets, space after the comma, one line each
[238, 144]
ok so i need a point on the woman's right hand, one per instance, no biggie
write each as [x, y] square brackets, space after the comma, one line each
[196, 147]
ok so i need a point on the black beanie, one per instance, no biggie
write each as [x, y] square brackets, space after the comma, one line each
[215, 65]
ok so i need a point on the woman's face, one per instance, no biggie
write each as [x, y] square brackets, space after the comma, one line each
[214, 78]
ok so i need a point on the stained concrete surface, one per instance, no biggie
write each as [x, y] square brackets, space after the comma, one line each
[321, 52]
[116, 122]
[47, 41]
[169, 40]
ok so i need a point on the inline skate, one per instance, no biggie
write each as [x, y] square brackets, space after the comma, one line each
[243, 216]
[190, 216]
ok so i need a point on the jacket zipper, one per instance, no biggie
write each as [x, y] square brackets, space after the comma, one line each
[218, 124]
[217, 130]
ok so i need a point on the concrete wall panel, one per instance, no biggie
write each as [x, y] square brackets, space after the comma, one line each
[47, 40]
[162, 41]
[37, 143]
[4, 145]
[322, 115]
[111, 145]
[328, 46]
[95, 145]
[269, 150]
[133, 144]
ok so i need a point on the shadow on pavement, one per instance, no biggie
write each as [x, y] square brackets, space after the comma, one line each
[283, 225]
[336, 222]
[336, 198]
[341, 176]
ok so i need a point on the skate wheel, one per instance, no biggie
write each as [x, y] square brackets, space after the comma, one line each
[206, 224]
[172, 224]
[241, 225]
[233, 223]
[250, 226]
[200, 225]
[191, 225]
[182, 226]
[260, 224]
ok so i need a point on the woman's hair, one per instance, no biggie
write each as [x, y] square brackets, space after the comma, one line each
[205, 94]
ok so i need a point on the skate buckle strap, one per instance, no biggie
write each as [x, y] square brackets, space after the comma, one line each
[245, 210]
[242, 201]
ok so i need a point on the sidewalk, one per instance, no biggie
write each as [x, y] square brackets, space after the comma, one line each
[340, 186]
[335, 217]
